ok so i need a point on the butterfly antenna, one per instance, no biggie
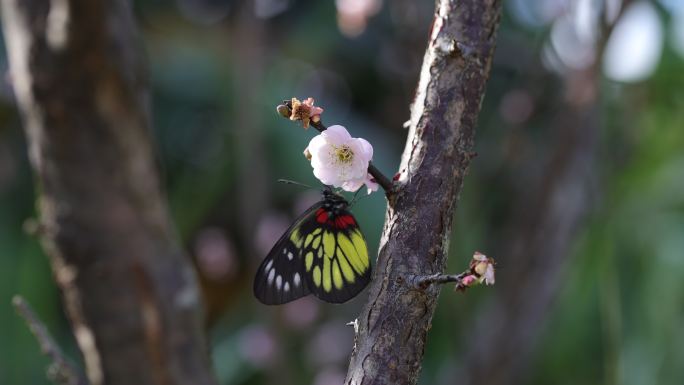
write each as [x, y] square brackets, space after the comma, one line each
[355, 198]
[288, 181]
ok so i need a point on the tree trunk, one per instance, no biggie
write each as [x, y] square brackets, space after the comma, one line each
[392, 327]
[127, 286]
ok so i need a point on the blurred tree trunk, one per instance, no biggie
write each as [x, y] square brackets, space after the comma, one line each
[392, 327]
[127, 286]
[542, 233]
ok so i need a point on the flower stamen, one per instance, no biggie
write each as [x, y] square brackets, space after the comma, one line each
[343, 153]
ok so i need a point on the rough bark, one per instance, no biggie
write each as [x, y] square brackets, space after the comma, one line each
[128, 288]
[392, 328]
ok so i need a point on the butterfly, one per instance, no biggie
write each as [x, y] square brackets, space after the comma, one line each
[323, 252]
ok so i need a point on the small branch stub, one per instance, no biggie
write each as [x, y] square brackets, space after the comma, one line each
[480, 270]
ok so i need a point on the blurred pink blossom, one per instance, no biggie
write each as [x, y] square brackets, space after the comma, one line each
[353, 15]
[331, 344]
[270, 227]
[257, 346]
[301, 313]
[215, 254]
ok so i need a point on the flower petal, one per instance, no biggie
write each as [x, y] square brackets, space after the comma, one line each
[352, 185]
[326, 176]
[337, 135]
[366, 147]
[316, 144]
[469, 280]
[359, 164]
[489, 275]
[371, 184]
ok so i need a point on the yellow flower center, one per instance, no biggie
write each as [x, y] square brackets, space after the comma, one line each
[344, 154]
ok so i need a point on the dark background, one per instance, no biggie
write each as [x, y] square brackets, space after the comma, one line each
[578, 140]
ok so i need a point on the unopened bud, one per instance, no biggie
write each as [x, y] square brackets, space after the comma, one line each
[283, 111]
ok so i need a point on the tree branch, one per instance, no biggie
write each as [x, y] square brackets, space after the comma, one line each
[129, 290]
[422, 282]
[393, 325]
[61, 370]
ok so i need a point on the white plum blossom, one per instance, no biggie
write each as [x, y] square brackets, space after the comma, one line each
[480, 270]
[489, 275]
[339, 160]
[483, 266]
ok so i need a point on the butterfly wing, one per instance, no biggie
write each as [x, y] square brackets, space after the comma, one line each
[320, 254]
[335, 256]
[281, 277]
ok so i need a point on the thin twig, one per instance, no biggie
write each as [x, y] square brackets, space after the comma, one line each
[422, 282]
[378, 176]
[61, 370]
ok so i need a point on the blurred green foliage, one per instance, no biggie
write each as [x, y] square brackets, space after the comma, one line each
[217, 70]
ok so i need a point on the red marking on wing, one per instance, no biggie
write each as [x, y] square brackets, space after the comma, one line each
[321, 216]
[344, 221]
[349, 219]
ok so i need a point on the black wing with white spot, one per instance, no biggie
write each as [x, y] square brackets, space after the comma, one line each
[280, 278]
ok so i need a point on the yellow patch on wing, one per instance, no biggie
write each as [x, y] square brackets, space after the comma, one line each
[360, 245]
[350, 251]
[327, 277]
[308, 260]
[317, 276]
[316, 241]
[295, 238]
[337, 275]
[329, 244]
[347, 270]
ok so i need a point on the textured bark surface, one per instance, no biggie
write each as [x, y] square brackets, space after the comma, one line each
[128, 288]
[392, 328]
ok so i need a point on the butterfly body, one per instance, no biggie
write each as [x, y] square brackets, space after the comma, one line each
[323, 253]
